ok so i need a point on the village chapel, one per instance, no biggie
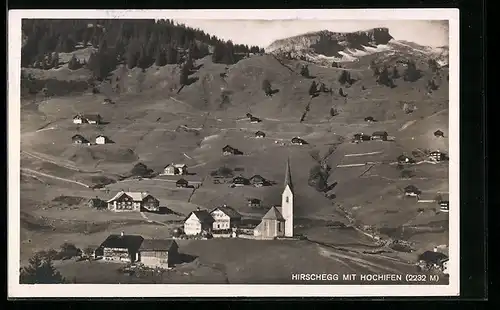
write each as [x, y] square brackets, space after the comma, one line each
[278, 221]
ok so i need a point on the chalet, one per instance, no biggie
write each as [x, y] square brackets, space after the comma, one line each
[249, 116]
[412, 191]
[182, 183]
[271, 226]
[157, 253]
[97, 203]
[369, 119]
[380, 135]
[254, 203]
[229, 150]
[107, 101]
[254, 120]
[197, 222]
[437, 156]
[439, 133]
[403, 159]
[225, 218]
[258, 181]
[121, 248]
[432, 260]
[79, 139]
[175, 169]
[298, 141]
[100, 139]
[260, 134]
[240, 181]
[78, 119]
[87, 118]
[358, 137]
[133, 201]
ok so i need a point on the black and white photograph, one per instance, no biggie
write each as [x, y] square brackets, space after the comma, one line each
[210, 153]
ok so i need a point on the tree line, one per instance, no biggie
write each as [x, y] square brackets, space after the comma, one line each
[136, 43]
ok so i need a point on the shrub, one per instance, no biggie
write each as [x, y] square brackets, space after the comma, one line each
[40, 271]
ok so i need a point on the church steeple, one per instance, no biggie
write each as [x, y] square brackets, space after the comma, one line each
[288, 175]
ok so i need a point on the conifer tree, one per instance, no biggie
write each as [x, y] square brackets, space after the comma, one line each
[266, 87]
[345, 77]
[40, 271]
[184, 76]
[73, 63]
[313, 89]
[395, 73]
[160, 58]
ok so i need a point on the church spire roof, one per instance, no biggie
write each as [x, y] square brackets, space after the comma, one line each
[288, 175]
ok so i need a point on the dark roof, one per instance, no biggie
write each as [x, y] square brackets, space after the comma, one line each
[92, 117]
[258, 178]
[232, 213]
[130, 242]
[368, 118]
[254, 119]
[432, 257]
[254, 200]
[240, 178]
[78, 137]
[182, 181]
[157, 244]
[438, 132]
[202, 215]
[411, 188]
[260, 133]
[288, 175]
[228, 147]
[380, 133]
[273, 214]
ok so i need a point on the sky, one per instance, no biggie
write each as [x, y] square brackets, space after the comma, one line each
[263, 32]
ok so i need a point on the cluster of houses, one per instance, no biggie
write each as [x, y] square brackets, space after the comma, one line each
[153, 253]
[277, 221]
[94, 119]
[434, 156]
[256, 180]
[442, 200]
[377, 135]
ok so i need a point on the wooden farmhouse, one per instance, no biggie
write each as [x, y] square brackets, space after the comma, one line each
[258, 181]
[438, 133]
[225, 218]
[380, 135]
[121, 248]
[175, 169]
[182, 183]
[437, 156]
[157, 253]
[260, 134]
[87, 119]
[133, 201]
[79, 139]
[240, 181]
[254, 120]
[229, 150]
[197, 222]
[298, 141]
[412, 191]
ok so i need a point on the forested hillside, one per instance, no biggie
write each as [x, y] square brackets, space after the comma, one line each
[138, 43]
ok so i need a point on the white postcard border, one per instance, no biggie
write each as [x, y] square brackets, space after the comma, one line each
[16, 290]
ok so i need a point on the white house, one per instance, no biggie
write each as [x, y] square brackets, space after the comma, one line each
[175, 169]
[197, 222]
[100, 139]
[225, 218]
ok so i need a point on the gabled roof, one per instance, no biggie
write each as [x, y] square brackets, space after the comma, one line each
[182, 181]
[180, 165]
[257, 177]
[260, 133]
[254, 200]
[254, 119]
[380, 133]
[157, 244]
[288, 175]
[130, 242]
[92, 117]
[273, 214]
[103, 136]
[232, 213]
[77, 136]
[202, 215]
[411, 188]
[228, 147]
[136, 196]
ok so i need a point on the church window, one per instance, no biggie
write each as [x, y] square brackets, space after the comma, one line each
[287, 200]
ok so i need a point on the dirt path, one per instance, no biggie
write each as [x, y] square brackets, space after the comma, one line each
[70, 167]
[408, 124]
[29, 171]
[144, 216]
